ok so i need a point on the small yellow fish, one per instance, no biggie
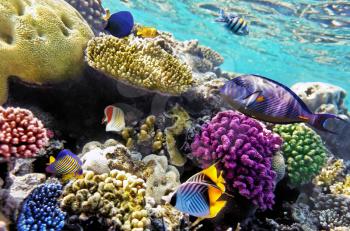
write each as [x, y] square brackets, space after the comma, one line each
[147, 32]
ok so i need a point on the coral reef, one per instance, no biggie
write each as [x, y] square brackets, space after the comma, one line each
[329, 173]
[140, 63]
[21, 133]
[243, 148]
[155, 136]
[19, 188]
[322, 97]
[41, 210]
[279, 166]
[164, 178]
[40, 45]
[342, 187]
[93, 12]
[117, 196]
[304, 151]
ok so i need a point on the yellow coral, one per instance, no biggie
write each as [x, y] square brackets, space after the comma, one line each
[117, 196]
[40, 41]
[181, 122]
[341, 187]
[329, 173]
[140, 63]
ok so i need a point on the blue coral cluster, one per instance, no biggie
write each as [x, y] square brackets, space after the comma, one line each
[41, 210]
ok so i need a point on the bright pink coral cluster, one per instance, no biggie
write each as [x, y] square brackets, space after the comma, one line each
[243, 148]
[21, 133]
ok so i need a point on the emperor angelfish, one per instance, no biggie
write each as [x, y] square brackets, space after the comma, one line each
[234, 23]
[270, 101]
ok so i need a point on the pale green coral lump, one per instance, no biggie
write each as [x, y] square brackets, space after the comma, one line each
[303, 150]
[139, 62]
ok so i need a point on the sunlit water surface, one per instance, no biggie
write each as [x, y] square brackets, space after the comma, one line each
[289, 41]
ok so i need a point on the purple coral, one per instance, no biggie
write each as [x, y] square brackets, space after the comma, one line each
[243, 148]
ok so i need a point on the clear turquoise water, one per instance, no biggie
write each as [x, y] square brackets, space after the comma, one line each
[289, 41]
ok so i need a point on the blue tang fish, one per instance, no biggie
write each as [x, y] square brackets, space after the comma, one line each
[67, 165]
[120, 24]
[234, 23]
[270, 101]
[199, 195]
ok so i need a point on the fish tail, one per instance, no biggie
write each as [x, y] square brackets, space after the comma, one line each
[320, 120]
[216, 208]
[222, 17]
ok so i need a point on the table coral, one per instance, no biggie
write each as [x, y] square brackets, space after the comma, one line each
[92, 11]
[41, 41]
[139, 62]
[304, 151]
[243, 148]
[21, 133]
[41, 210]
[117, 196]
[164, 178]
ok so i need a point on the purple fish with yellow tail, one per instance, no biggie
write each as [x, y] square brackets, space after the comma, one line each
[67, 165]
[270, 101]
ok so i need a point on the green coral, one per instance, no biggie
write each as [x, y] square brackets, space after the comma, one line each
[40, 41]
[139, 62]
[117, 196]
[304, 151]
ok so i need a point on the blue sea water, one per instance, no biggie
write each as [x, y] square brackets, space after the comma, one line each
[289, 41]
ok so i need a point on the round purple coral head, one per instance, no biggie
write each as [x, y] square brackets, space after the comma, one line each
[243, 148]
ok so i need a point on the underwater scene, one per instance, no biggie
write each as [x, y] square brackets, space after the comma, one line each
[173, 115]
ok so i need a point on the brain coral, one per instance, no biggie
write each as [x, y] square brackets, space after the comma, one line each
[117, 196]
[40, 41]
[21, 133]
[139, 62]
[244, 149]
[41, 210]
[304, 151]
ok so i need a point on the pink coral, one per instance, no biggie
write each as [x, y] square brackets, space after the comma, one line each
[21, 133]
[243, 148]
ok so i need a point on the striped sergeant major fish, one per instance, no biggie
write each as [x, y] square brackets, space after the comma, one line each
[234, 23]
[199, 195]
[67, 165]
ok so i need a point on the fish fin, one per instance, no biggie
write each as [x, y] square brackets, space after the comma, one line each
[51, 160]
[211, 172]
[63, 153]
[222, 17]
[252, 98]
[320, 121]
[214, 194]
[67, 177]
[107, 15]
[216, 208]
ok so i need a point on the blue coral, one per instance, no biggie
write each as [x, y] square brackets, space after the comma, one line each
[41, 210]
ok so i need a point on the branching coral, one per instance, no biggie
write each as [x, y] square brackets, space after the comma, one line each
[341, 187]
[244, 149]
[139, 62]
[41, 41]
[117, 196]
[304, 151]
[92, 11]
[329, 173]
[21, 133]
[41, 209]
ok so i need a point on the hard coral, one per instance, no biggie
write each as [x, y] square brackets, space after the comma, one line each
[21, 133]
[117, 196]
[41, 209]
[41, 41]
[92, 11]
[342, 187]
[139, 62]
[329, 174]
[244, 149]
[304, 151]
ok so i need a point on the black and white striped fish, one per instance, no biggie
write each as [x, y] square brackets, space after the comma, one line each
[234, 23]
[199, 195]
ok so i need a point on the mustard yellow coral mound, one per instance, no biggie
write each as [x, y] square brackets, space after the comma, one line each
[117, 196]
[140, 63]
[40, 41]
[341, 187]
